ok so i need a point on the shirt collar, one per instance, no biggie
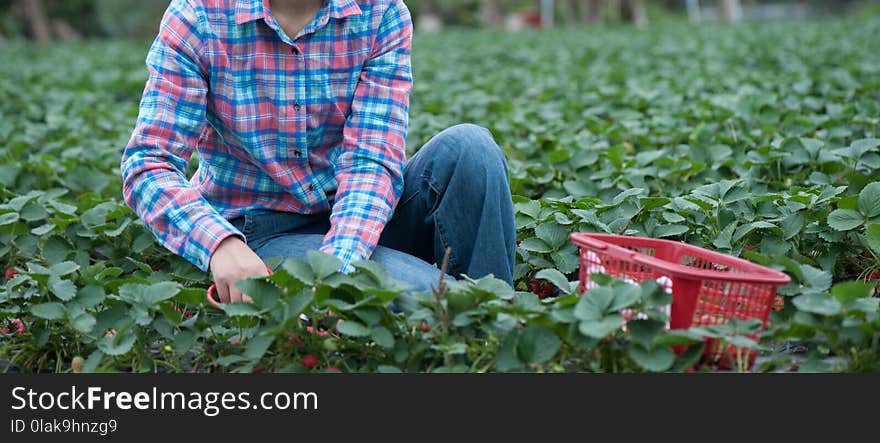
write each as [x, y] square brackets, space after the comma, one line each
[251, 10]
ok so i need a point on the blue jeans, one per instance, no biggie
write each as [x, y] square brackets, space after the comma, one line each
[456, 194]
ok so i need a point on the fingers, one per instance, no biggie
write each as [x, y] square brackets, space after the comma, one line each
[222, 291]
[234, 294]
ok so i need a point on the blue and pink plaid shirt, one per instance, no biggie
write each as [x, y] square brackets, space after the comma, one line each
[304, 124]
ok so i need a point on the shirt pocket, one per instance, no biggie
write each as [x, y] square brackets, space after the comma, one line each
[331, 93]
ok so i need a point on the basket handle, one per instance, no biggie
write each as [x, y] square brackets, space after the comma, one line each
[775, 277]
[590, 243]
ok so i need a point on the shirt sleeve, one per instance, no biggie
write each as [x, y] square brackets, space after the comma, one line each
[369, 170]
[168, 129]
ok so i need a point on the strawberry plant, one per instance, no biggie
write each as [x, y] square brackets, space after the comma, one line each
[755, 140]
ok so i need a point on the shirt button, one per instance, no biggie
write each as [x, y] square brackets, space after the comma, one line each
[296, 106]
[294, 50]
[311, 187]
[297, 153]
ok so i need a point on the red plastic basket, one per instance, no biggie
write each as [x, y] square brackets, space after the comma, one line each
[708, 288]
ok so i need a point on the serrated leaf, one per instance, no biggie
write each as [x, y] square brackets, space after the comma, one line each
[658, 359]
[382, 337]
[817, 303]
[872, 235]
[353, 328]
[62, 288]
[537, 344]
[601, 328]
[323, 265]
[299, 270]
[48, 311]
[555, 277]
[241, 310]
[869, 200]
[117, 344]
[84, 323]
[552, 233]
[845, 219]
[645, 331]
[534, 244]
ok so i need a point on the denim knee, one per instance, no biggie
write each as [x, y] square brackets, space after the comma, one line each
[472, 145]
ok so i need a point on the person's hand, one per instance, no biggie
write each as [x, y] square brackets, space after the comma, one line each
[232, 261]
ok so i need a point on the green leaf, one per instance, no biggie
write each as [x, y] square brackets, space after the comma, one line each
[860, 147]
[61, 288]
[625, 295]
[869, 200]
[845, 219]
[534, 244]
[601, 328]
[658, 359]
[594, 303]
[184, 341]
[663, 231]
[299, 302]
[816, 303]
[653, 295]
[537, 344]
[872, 235]
[231, 359]
[373, 269]
[149, 295]
[299, 270]
[353, 328]
[555, 277]
[63, 268]
[8, 218]
[816, 278]
[48, 311]
[852, 290]
[506, 360]
[382, 337]
[566, 261]
[118, 344]
[257, 347]
[552, 233]
[241, 310]
[92, 362]
[644, 331]
[676, 337]
[84, 323]
[324, 265]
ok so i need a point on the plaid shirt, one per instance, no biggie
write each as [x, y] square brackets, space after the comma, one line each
[303, 124]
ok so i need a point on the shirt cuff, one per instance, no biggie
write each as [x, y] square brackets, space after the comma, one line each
[204, 239]
[346, 255]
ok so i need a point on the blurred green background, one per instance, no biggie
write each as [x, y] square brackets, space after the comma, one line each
[46, 20]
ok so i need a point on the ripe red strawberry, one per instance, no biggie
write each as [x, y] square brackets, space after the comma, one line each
[187, 314]
[20, 327]
[332, 369]
[874, 275]
[10, 272]
[4, 331]
[748, 247]
[309, 361]
[535, 286]
[425, 327]
[234, 342]
[543, 289]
